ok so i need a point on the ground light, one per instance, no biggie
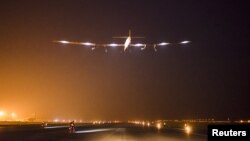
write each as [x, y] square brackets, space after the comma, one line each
[158, 126]
[188, 129]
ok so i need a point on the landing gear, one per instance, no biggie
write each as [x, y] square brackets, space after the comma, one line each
[72, 127]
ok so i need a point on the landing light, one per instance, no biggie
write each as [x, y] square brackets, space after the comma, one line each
[113, 45]
[63, 42]
[87, 44]
[139, 45]
[185, 42]
[163, 44]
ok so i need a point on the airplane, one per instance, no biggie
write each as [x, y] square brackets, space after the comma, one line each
[125, 45]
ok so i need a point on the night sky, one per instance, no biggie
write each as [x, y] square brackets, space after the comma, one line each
[208, 78]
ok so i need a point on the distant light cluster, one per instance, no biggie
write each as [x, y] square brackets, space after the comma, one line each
[5, 116]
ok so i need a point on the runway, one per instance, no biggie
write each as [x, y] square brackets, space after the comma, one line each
[118, 132]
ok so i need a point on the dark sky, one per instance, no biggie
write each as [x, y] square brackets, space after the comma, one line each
[208, 78]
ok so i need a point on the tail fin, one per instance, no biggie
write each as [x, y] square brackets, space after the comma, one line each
[129, 33]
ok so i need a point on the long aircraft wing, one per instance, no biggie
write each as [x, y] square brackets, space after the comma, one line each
[140, 45]
[89, 44]
[144, 46]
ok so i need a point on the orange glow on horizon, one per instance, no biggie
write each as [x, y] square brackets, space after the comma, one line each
[2, 113]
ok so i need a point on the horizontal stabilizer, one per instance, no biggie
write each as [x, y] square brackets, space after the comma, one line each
[137, 37]
[125, 37]
[122, 37]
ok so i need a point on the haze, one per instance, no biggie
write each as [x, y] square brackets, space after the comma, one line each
[207, 79]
